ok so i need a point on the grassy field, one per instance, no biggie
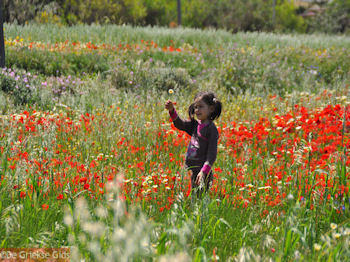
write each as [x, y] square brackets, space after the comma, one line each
[90, 160]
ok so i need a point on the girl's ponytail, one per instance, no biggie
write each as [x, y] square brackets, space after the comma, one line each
[217, 109]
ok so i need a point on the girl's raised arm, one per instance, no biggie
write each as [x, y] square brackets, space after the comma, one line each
[184, 125]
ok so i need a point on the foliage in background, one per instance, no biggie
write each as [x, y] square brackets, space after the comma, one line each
[233, 15]
[53, 63]
[287, 19]
[20, 86]
[159, 12]
[21, 11]
[334, 19]
[240, 15]
[103, 11]
[283, 69]
[138, 75]
[183, 58]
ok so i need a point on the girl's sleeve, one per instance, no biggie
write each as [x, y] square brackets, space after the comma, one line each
[184, 125]
[212, 150]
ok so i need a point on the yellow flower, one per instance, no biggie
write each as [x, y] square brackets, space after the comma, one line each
[317, 247]
[171, 91]
[333, 226]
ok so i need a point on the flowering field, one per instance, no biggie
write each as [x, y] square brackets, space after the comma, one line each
[89, 158]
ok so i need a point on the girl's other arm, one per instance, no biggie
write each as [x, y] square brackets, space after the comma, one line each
[212, 151]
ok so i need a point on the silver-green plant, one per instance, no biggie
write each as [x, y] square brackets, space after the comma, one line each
[114, 231]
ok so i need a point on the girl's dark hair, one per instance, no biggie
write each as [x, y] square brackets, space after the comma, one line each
[210, 99]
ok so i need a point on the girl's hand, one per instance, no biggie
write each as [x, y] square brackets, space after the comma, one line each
[169, 105]
[199, 178]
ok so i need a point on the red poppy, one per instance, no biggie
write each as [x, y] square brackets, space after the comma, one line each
[59, 197]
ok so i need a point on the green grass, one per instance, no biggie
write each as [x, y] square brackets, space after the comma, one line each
[125, 130]
[210, 38]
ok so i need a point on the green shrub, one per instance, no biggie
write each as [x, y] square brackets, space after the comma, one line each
[103, 11]
[145, 75]
[243, 72]
[48, 18]
[287, 19]
[242, 15]
[331, 64]
[55, 63]
[19, 85]
[238, 15]
[334, 19]
[188, 61]
[21, 11]
[282, 70]
[198, 13]
[160, 12]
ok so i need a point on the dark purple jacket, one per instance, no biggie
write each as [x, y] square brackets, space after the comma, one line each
[202, 149]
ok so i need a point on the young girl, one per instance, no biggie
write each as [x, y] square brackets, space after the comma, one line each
[202, 149]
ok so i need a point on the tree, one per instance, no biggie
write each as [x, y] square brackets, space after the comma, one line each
[179, 12]
[2, 42]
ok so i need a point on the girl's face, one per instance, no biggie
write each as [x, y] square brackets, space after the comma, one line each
[202, 110]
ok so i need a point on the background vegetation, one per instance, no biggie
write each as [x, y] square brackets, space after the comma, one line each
[235, 16]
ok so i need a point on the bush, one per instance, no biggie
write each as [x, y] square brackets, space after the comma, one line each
[242, 15]
[104, 11]
[19, 85]
[334, 19]
[21, 11]
[198, 13]
[239, 15]
[54, 63]
[282, 70]
[287, 19]
[242, 72]
[160, 12]
[145, 75]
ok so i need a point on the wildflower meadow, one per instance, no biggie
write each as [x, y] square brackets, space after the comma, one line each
[90, 160]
